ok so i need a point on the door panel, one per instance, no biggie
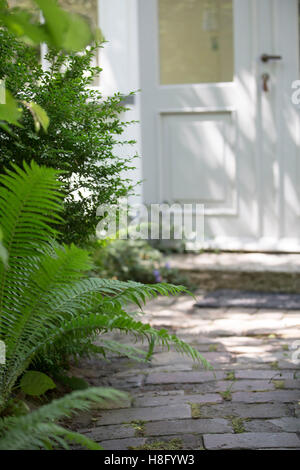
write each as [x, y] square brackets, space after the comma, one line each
[198, 164]
[210, 134]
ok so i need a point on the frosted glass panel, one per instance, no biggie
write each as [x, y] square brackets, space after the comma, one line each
[195, 41]
[86, 8]
[25, 4]
[89, 10]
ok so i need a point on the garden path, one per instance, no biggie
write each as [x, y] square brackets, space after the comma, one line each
[250, 401]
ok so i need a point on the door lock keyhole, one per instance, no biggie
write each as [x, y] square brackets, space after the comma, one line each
[265, 79]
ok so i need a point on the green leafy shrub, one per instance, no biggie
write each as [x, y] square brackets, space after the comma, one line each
[136, 260]
[46, 302]
[59, 29]
[81, 137]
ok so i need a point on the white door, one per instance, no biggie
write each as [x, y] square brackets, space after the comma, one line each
[214, 131]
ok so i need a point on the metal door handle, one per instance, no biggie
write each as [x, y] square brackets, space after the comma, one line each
[267, 57]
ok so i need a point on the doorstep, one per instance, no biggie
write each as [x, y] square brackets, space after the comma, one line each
[235, 270]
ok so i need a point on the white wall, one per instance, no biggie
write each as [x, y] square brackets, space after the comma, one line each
[119, 59]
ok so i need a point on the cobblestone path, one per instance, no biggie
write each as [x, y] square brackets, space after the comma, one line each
[250, 401]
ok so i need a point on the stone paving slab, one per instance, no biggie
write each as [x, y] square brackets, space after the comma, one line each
[253, 440]
[245, 410]
[122, 444]
[264, 374]
[167, 358]
[199, 426]
[287, 424]
[240, 386]
[114, 431]
[261, 425]
[181, 367]
[184, 377]
[144, 414]
[177, 400]
[291, 384]
[284, 396]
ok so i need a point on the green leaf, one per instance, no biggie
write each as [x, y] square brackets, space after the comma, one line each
[61, 29]
[36, 383]
[7, 129]
[10, 110]
[39, 115]
[20, 24]
[3, 251]
[68, 31]
[78, 34]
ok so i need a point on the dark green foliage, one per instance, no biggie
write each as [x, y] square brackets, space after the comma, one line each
[81, 138]
[36, 383]
[38, 430]
[59, 28]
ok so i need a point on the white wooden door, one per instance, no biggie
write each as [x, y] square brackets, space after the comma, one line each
[210, 133]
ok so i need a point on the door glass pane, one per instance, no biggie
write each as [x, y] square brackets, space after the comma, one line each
[195, 41]
[86, 8]
[89, 10]
[25, 4]
[30, 6]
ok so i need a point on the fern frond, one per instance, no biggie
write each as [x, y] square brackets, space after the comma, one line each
[38, 429]
[44, 436]
[126, 324]
[30, 200]
[44, 299]
[53, 276]
[139, 294]
[116, 347]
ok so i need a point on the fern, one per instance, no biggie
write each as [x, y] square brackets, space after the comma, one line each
[38, 429]
[46, 303]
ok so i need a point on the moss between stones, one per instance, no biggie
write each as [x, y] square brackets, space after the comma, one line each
[139, 427]
[230, 376]
[274, 365]
[195, 410]
[238, 425]
[279, 384]
[227, 396]
[173, 444]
